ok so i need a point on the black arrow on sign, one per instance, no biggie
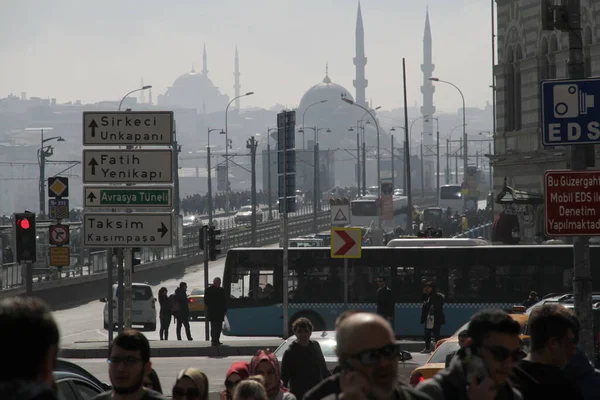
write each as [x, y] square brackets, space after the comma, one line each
[163, 230]
[91, 197]
[93, 125]
[93, 164]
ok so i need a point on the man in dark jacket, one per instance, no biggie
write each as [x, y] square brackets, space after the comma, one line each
[216, 308]
[481, 369]
[183, 311]
[580, 371]
[554, 330]
[385, 300]
[303, 365]
[432, 314]
[30, 344]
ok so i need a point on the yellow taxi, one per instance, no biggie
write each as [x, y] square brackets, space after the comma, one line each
[444, 347]
[196, 303]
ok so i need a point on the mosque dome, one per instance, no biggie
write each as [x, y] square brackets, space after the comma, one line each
[325, 90]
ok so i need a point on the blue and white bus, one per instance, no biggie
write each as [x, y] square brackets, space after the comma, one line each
[471, 277]
[365, 212]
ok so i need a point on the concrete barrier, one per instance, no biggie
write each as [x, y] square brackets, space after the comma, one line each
[66, 293]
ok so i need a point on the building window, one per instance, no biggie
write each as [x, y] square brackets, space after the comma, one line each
[509, 119]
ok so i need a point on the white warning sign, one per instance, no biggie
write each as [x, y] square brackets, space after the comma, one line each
[340, 215]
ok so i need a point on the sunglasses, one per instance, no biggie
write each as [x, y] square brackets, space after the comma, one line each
[230, 385]
[190, 393]
[500, 353]
[373, 357]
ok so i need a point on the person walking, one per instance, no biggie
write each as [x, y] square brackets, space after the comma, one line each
[216, 309]
[385, 300]
[164, 314]
[432, 314]
[183, 311]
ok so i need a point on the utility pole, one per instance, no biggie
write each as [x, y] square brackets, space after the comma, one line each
[176, 201]
[393, 186]
[422, 170]
[209, 179]
[437, 164]
[270, 200]
[252, 144]
[409, 220]
[358, 158]
[447, 161]
[315, 184]
[364, 163]
[205, 249]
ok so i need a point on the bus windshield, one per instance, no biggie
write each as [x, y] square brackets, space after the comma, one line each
[364, 208]
[450, 193]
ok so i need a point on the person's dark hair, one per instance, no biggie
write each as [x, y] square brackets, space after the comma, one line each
[551, 321]
[432, 285]
[343, 316]
[156, 386]
[462, 333]
[533, 293]
[182, 285]
[381, 278]
[132, 340]
[483, 323]
[28, 331]
[302, 323]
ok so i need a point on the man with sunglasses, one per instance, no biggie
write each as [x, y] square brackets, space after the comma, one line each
[554, 332]
[368, 355]
[481, 369]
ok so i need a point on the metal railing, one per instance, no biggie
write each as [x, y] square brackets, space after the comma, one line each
[484, 231]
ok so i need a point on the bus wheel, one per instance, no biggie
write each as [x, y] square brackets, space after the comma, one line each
[313, 317]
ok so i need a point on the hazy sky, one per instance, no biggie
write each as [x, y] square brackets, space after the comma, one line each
[98, 50]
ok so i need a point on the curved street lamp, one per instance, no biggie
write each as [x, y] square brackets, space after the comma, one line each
[146, 87]
[465, 146]
[227, 150]
[303, 115]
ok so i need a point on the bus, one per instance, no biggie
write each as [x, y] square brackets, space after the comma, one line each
[451, 197]
[471, 277]
[365, 212]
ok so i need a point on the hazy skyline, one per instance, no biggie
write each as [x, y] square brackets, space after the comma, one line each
[98, 51]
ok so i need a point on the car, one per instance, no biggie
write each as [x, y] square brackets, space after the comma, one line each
[196, 303]
[444, 347]
[144, 307]
[191, 220]
[326, 340]
[244, 215]
[75, 383]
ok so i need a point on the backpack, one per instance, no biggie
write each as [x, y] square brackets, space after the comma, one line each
[175, 308]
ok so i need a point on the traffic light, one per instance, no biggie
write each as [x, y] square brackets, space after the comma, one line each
[134, 260]
[201, 237]
[25, 237]
[213, 242]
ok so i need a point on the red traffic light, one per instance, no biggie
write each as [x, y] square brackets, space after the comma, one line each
[24, 224]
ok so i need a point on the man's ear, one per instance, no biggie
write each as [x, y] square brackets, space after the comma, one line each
[48, 364]
[148, 368]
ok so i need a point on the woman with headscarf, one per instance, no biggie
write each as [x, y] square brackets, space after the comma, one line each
[265, 363]
[238, 371]
[191, 383]
[164, 314]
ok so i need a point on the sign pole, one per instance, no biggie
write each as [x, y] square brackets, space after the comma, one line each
[128, 258]
[204, 238]
[582, 280]
[28, 277]
[109, 299]
[120, 290]
[346, 283]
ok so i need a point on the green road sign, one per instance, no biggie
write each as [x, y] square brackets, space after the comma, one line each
[127, 197]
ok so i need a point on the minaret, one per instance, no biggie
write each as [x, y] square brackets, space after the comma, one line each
[142, 98]
[360, 83]
[236, 75]
[204, 61]
[427, 89]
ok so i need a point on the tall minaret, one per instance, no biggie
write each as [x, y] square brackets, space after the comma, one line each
[236, 74]
[427, 89]
[142, 98]
[360, 83]
[204, 61]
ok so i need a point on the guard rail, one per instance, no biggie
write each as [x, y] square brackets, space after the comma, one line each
[484, 231]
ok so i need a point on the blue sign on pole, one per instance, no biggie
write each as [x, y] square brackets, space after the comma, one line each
[569, 113]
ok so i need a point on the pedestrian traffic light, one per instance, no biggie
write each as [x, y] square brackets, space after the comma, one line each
[213, 242]
[25, 237]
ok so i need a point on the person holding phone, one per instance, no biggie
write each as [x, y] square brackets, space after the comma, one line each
[481, 369]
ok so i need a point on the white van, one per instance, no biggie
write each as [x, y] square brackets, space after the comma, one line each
[144, 307]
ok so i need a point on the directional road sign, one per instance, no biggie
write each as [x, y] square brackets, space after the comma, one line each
[346, 242]
[59, 235]
[128, 166]
[127, 197]
[570, 113]
[572, 203]
[127, 229]
[127, 128]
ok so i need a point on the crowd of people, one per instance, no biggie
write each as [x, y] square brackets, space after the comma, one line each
[197, 204]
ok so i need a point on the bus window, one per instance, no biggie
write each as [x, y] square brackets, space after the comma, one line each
[450, 192]
[364, 208]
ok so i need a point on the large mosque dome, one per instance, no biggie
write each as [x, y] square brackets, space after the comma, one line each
[325, 90]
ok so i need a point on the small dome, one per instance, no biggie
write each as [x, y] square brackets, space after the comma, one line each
[325, 90]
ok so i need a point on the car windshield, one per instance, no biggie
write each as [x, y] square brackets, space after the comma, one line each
[197, 292]
[440, 354]
[189, 218]
[139, 292]
[246, 209]
[327, 346]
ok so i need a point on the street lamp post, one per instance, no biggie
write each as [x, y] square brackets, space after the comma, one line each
[227, 186]
[304, 115]
[269, 198]
[209, 178]
[42, 155]
[405, 169]
[437, 161]
[133, 91]
[465, 148]
[347, 100]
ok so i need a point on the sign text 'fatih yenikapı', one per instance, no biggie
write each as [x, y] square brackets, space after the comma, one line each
[127, 229]
[122, 128]
[572, 203]
[128, 166]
